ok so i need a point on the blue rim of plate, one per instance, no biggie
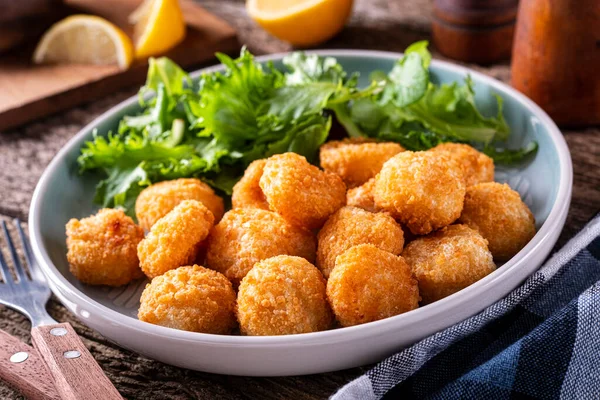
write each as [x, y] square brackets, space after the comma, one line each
[555, 220]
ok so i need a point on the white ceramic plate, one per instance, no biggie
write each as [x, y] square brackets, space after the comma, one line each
[61, 194]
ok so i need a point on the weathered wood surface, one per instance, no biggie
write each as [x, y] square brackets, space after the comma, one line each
[24, 153]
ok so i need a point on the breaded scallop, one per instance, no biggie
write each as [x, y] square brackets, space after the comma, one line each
[476, 166]
[350, 226]
[499, 215]
[246, 236]
[369, 284]
[102, 249]
[191, 298]
[362, 196]
[448, 260]
[356, 161]
[283, 295]
[155, 201]
[301, 193]
[424, 190]
[175, 239]
[247, 191]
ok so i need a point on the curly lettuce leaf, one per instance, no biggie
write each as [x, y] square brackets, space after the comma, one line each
[304, 68]
[213, 128]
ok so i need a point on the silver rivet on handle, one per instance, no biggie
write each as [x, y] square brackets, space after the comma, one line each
[72, 354]
[58, 331]
[19, 357]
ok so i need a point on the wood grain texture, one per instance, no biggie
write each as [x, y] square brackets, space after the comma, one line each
[30, 376]
[29, 91]
[24, 153]
[76, 374]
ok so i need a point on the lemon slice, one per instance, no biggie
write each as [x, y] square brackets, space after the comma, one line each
[84, 39]
[159, 26]
[301, 22]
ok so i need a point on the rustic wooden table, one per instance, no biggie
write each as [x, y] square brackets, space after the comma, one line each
[25, 152]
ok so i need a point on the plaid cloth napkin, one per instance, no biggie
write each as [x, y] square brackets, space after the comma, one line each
[541, 341]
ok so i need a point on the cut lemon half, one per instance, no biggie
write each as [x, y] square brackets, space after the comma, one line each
[302, 23]
[84, 39]
[159, 26]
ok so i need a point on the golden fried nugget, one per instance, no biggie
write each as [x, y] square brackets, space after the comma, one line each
[102, 249]
[476, 166]
[283, 295]
[246, 236]
[350, 226]
[369, 284]
[448, 260]
[247, 191]
[175, 239]
[499, 215]
[424, 190]
[362, 197]
[356, 162]
[155, 201]
[301, 193]
[190, 298]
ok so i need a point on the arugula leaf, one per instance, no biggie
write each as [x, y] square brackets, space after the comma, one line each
[512, 157]
[420, 48]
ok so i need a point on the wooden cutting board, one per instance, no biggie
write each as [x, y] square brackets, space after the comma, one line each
[30, 91]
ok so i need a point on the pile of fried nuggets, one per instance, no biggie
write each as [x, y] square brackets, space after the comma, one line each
[387, 229]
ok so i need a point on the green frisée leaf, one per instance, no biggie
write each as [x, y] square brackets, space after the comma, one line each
[214, 127]
[164, 71]
[304, 68]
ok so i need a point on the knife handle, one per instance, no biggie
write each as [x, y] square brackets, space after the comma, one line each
[30, 375]
[76, 374]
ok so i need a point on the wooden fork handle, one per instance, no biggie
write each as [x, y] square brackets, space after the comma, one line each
[76, 374]
[29, 376]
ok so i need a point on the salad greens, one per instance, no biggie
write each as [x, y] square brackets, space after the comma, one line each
[213, 128]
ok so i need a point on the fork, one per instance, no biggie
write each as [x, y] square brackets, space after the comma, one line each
[76, 374]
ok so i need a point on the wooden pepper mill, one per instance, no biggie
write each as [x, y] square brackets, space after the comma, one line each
[479, 31]
[556, 58]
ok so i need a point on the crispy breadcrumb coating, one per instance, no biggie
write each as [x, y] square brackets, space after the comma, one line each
[424, 190]
[175, 239]
[301, 193]
[356, 161]
[283, 295]
[448, 260]
[246, 236]
[155, 201]
[190, 298]
[350, 226]
[499, 215]
[362, 197]
[476, 166]
[102, 249]
[247, 191]
[369, 284]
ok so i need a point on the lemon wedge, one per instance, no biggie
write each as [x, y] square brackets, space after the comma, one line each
[84, 39]
[159, 26]
[302, 23]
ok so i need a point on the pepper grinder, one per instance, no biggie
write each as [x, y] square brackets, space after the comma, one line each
[479, 31]
[556, 58]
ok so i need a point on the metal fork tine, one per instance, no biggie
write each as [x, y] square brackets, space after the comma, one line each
[15, 257]
[4, 270]
[34, 269]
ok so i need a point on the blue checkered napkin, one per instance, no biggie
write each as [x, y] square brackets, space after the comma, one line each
[541, 341]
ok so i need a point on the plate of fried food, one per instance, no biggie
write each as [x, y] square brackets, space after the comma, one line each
[300, 213]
